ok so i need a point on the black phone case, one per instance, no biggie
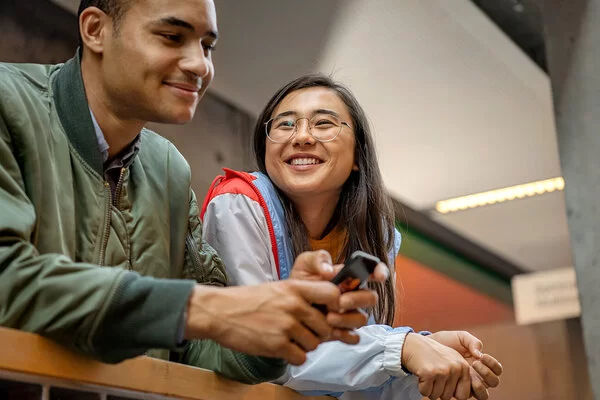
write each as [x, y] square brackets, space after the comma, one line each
[356, 271]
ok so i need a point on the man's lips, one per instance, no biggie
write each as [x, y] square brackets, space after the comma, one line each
[185, 86]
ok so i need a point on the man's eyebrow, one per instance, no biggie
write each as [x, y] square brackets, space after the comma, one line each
[174, 21]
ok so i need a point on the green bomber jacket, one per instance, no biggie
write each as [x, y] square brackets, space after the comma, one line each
[107, 277]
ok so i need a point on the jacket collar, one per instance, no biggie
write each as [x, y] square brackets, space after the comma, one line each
[74, 113]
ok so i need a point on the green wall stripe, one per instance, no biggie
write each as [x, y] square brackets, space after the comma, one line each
[431, 254]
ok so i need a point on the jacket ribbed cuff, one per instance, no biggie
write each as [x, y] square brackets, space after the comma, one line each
[392, 353]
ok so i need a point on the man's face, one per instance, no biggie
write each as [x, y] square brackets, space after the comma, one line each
[158, 63]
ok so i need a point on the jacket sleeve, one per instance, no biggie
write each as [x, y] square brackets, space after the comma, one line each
[105, 313]
[394, 389]
[211, 355]
[236, 226]
[232, 364]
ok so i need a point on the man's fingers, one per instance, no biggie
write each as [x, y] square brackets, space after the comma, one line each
[304, 338]
[349, 320]
[489, 377]
[492, 364]
[317, 292]
[345, 335]
[314, 320]
[292, 353]
[358, 299]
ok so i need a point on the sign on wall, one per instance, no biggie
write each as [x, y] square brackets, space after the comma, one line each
[545, 296]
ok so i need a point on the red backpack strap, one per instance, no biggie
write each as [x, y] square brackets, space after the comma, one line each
[229, 184]
[241, 183]
[210, 194]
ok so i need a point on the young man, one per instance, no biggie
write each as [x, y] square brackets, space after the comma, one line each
[100, 240]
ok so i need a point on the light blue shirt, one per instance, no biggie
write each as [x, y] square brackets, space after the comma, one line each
[102, 143]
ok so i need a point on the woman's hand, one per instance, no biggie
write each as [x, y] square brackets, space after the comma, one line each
[317, 266]
[485, 370]
[442, 371]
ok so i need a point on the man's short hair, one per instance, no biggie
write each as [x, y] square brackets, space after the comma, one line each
[113, 8]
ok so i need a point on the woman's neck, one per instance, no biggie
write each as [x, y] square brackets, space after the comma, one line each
[316, 212]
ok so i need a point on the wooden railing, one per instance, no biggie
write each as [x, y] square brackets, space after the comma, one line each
[32, 367]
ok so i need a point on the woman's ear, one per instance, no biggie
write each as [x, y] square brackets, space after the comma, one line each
[355, 167]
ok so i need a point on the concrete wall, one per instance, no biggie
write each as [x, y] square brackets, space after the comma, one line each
[36, 31]
[572, 29]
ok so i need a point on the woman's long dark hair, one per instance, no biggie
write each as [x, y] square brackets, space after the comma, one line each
[364, 208]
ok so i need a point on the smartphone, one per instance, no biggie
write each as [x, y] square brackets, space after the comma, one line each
[354, 275]
[356, 271]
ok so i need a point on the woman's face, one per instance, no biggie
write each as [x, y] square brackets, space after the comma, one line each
[304, 166]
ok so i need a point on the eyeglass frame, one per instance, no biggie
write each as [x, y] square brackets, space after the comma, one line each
[307, 128]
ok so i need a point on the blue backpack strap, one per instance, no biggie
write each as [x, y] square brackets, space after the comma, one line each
[282, 237]
[395, 247]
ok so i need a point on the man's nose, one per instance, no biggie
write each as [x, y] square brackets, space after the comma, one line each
[197, 62]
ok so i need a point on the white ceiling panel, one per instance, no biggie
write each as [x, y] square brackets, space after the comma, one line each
[531, 232]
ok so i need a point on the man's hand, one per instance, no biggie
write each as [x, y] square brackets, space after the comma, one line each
[273, 319]
[442, 372]
[484, 369]
[345, 315]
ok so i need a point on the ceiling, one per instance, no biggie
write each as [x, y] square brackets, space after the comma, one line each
[521, 21]
[456, 106]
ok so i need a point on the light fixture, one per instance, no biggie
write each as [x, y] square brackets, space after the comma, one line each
[500, 195]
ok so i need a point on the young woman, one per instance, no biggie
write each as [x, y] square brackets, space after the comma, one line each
[319, 187]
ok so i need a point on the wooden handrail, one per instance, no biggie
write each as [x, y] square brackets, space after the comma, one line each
[27, 353]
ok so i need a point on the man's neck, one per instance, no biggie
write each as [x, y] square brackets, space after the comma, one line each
[316, 212]
[118, 131]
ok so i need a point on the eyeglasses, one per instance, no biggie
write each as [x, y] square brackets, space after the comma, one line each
[323, 127]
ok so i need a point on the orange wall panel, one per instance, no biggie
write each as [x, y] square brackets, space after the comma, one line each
[430, 300]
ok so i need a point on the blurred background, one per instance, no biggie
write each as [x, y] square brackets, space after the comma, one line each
[460, 101]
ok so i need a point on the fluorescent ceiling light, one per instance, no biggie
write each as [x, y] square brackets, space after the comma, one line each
[500, 195]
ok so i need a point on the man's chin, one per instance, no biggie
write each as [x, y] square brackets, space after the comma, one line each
[175, 118]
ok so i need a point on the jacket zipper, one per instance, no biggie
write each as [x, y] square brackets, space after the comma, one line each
[193, 251]
[117, 199]
[106, 232]
[114, 201]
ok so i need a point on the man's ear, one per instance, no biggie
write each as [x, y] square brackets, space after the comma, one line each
[94, 27]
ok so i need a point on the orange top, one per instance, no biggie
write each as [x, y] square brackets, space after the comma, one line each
[333, 242]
